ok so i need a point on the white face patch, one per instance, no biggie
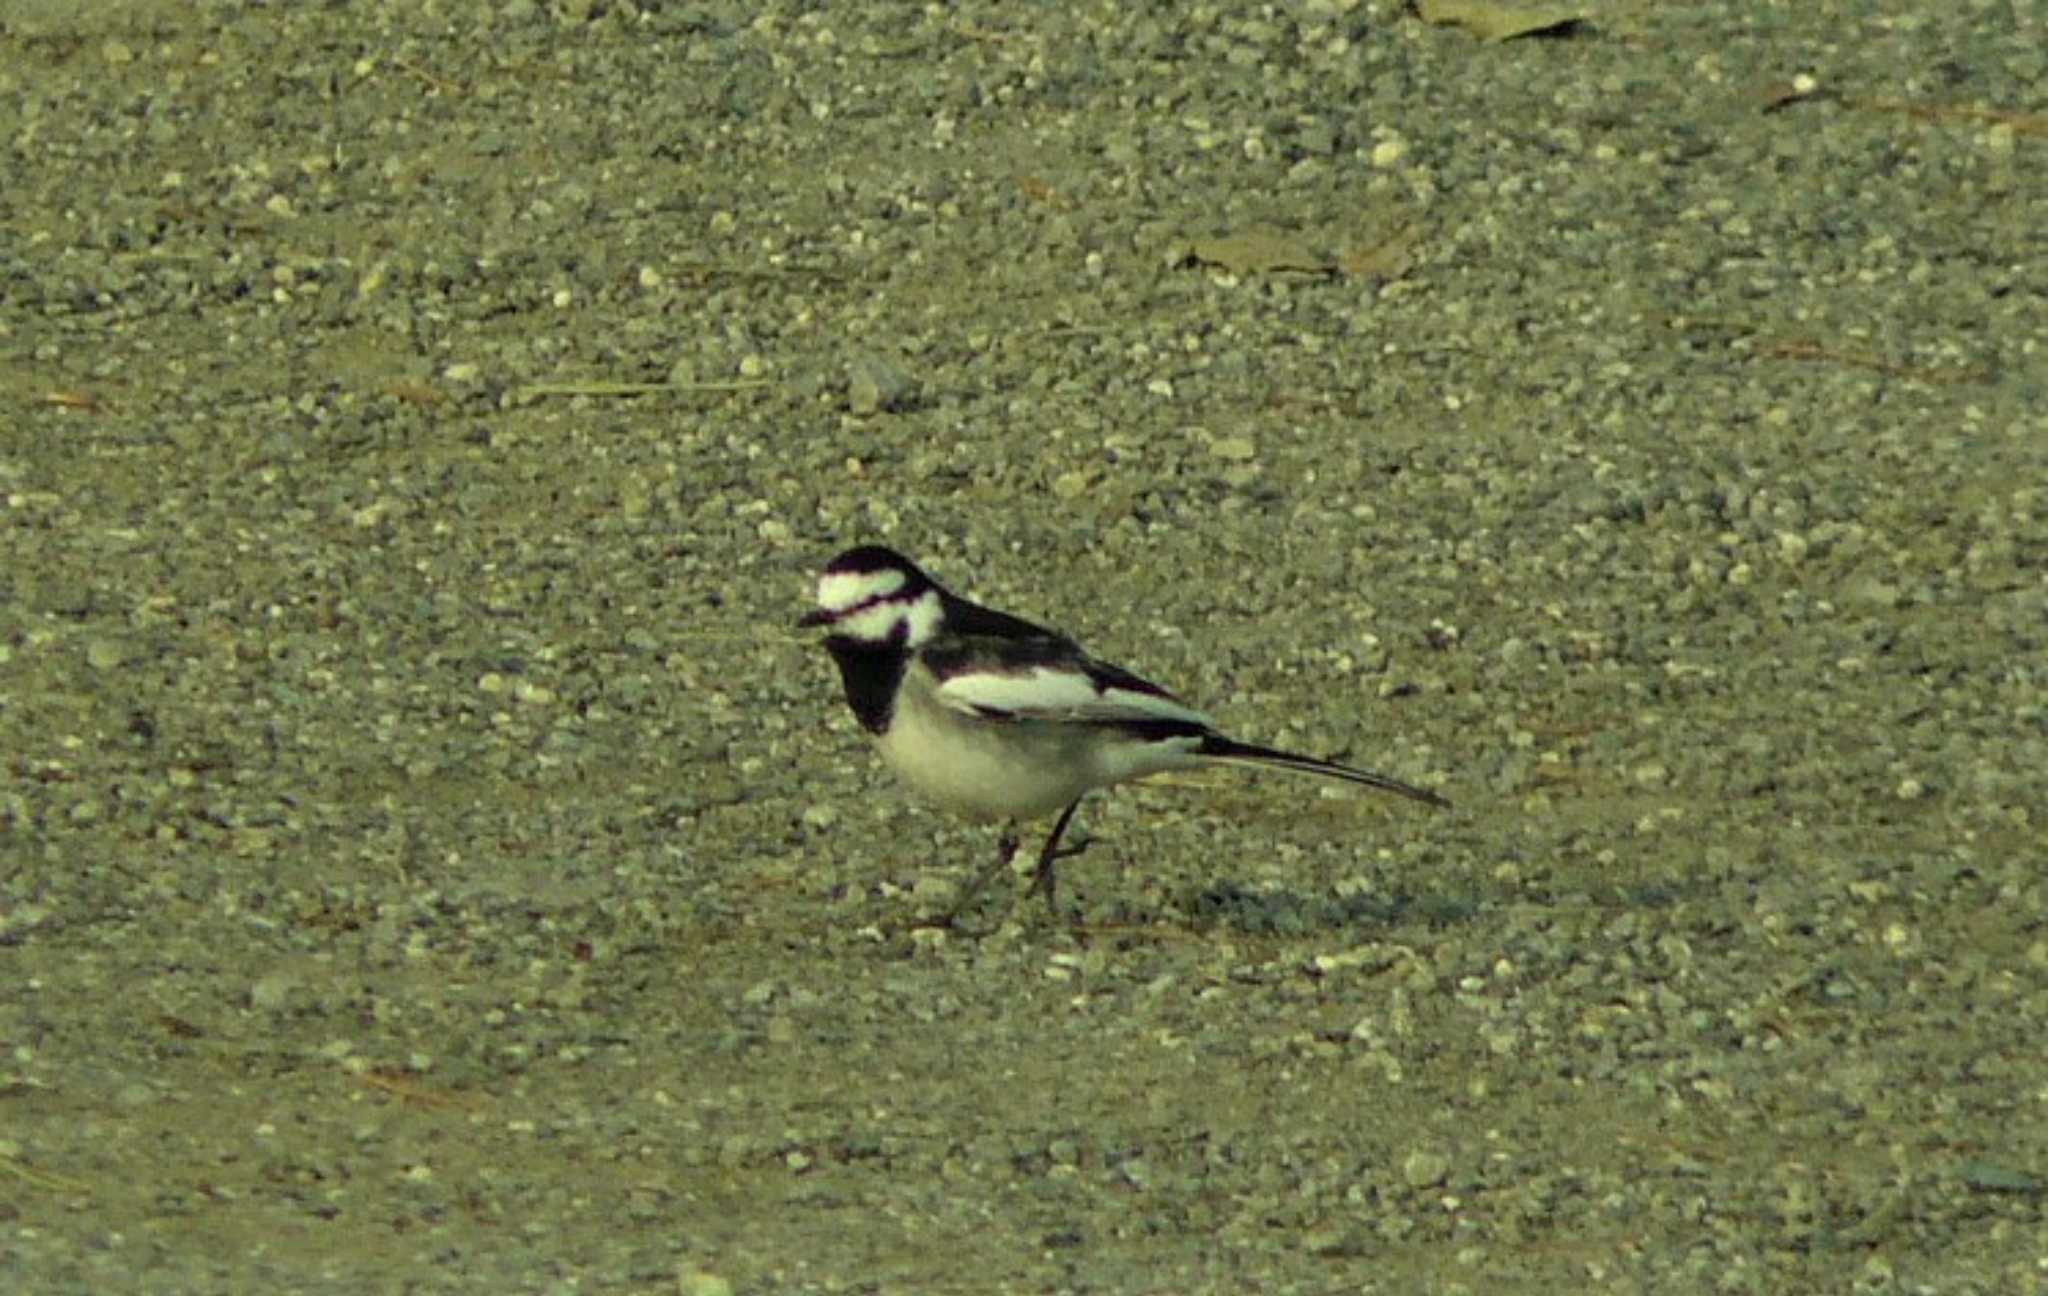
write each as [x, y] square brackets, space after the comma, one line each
[924, 615]
[838, 591]
[876, 622]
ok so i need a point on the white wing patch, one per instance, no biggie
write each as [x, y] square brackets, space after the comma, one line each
[838, 591]
[1048, 693]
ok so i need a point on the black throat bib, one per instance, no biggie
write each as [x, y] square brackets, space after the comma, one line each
[871, 673]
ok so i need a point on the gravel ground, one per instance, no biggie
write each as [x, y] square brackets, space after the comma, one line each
[429, 861]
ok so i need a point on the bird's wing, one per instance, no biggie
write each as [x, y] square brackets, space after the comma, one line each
[1047, 678]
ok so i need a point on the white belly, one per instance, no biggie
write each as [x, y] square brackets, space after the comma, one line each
[1007, 770]
[971, 770]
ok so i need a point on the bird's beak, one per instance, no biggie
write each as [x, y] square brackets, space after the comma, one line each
[812, 619]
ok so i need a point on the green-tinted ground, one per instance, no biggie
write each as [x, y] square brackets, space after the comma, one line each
[428, 860]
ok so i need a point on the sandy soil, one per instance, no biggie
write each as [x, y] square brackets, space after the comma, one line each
[430, 862]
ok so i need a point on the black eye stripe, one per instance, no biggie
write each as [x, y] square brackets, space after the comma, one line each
[895, 596]
[898, 628]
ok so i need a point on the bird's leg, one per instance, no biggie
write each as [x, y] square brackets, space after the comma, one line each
[1042, 879]
[1006, 850]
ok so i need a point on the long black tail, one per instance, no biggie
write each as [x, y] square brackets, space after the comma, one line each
[1217, 747]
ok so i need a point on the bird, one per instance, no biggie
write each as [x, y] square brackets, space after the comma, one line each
[994, 717]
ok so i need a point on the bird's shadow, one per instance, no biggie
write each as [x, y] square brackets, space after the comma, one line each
[1268, 912]
[1228, 907]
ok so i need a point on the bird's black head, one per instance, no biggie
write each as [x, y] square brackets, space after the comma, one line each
[877, 608]
[875, 597]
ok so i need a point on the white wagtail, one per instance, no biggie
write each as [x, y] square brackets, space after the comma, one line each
[993, 717]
